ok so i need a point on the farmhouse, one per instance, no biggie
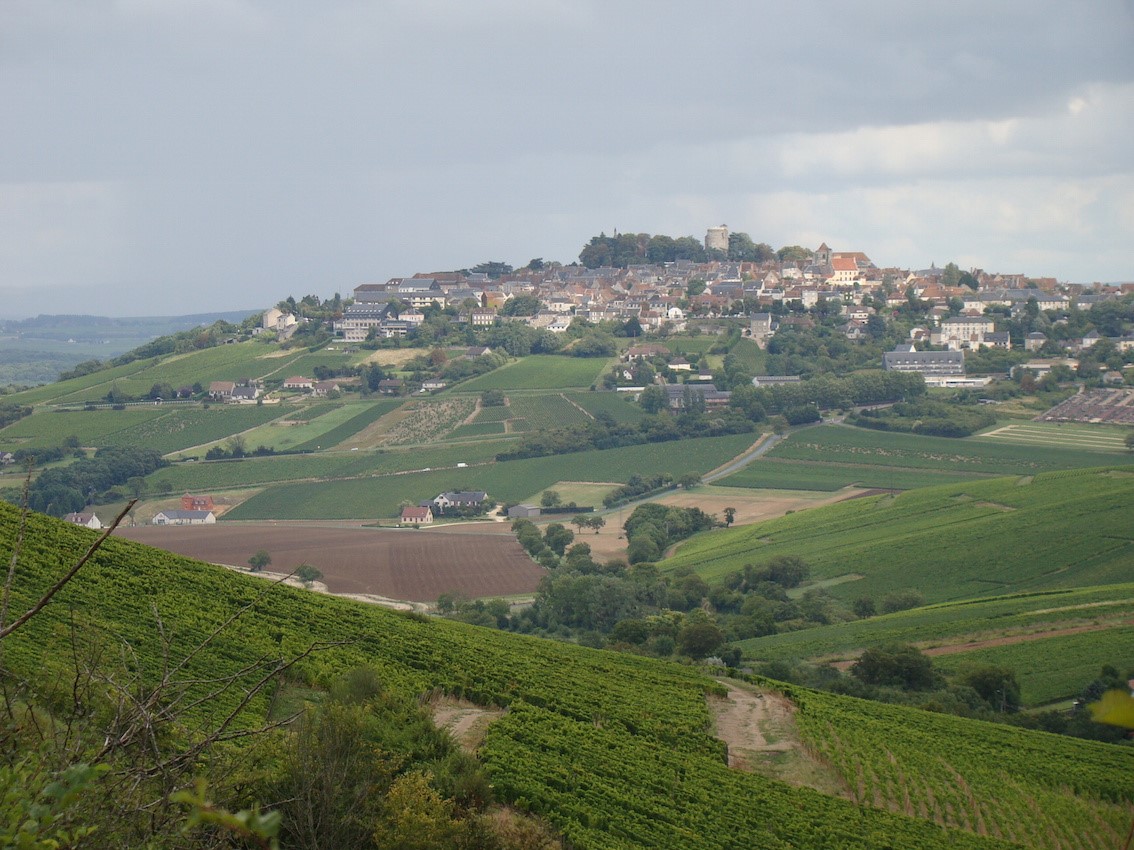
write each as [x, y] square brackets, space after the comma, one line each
[184, 518]
[298, 382]
[416, 516]
[197, 503]
[459, 499]
[682, 395]
[87, 520]
[221, 390]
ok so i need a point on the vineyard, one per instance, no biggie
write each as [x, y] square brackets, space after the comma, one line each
[830, 457]
[978, 538]
[509, 481]
[1055, 641]
[1037, 790]
[614, 404]
[540, 372]
[614, 750]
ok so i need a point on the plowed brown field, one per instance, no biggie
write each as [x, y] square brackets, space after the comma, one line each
[412, 565]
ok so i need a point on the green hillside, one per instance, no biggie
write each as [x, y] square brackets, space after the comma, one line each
[614, 750]
[980, 538]
[829, 457]
[1054, 640]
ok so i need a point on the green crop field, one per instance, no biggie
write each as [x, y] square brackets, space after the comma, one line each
[977, 538]
[750, 355]
[185, 427]
[92, 427]
[614, 750]
[1066, 435]
[494, 413]
[282, 433]
[312, 411]
[546, 411]
[617, 405]
[362, 415]
[540, 372]
[509, 481]
[770, 473]
[476, 429]
[54, 393]
[828, 457]
[222, 363]
[252, 472]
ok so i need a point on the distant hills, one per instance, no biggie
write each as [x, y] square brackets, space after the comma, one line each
[37, 350]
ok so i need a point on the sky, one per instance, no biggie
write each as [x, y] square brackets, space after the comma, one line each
[161, 157]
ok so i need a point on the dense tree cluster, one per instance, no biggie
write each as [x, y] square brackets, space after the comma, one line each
[927, 416]
[627, 249]
[66, 489]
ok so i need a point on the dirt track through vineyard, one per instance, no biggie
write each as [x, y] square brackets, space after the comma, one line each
[759, 727]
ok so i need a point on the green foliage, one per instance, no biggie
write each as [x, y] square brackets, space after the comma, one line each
[900, 666]
[39, 810]
[924, 416]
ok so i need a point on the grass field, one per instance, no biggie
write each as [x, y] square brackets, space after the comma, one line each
[510, 481]
[828, 457]
[540, 372]
[977, 538]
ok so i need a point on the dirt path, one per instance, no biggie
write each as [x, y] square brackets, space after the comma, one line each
[465, 721]
[759, 727]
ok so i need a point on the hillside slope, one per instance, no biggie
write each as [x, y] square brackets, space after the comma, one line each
[980, 538]
[615, 750]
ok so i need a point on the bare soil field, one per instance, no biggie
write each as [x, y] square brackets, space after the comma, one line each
[410, 565]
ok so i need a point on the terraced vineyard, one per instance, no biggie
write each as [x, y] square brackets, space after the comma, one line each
[614, 750]
[978, 538]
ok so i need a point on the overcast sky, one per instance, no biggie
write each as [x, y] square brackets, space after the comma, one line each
[176, 156]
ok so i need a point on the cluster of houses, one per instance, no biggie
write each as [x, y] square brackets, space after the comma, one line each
[426, 512]
[194, 510]
[664, 295]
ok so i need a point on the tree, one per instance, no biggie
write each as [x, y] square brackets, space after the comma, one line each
[729, 516]
[557, 537]
[1130, 442]
[688, 481]
[260, 560]
[996, 685]
[307, 573]
[596, 522]
[699, 639]
[550, 499]
[492, 398]
[653, 399]
[902, 666]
